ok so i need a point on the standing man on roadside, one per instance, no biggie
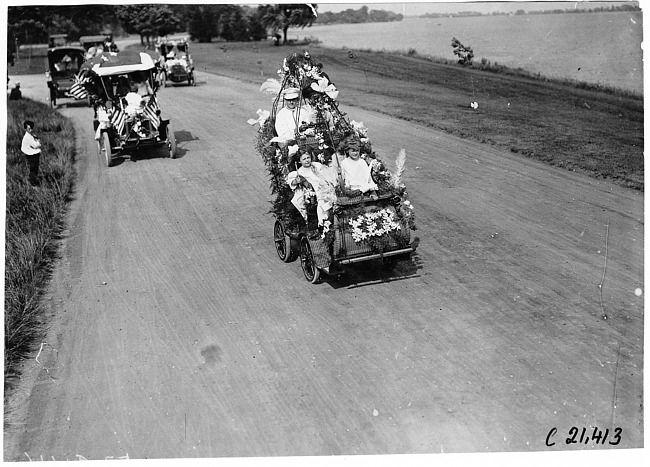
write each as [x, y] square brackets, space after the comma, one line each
[16, 94]
[31, 147]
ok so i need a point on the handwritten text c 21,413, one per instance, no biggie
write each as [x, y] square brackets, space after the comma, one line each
[586, 435]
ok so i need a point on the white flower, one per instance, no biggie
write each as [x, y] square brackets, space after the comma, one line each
[324, 86]
[358, 127]
[293, 149]
[262, 115]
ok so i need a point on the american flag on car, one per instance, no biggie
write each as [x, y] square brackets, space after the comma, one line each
[77, 90]
[151, 111]
[118, 119]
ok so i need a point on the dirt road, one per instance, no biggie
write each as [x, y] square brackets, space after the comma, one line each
[177, 332]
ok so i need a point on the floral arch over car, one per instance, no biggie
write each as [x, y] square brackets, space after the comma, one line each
[365, 222]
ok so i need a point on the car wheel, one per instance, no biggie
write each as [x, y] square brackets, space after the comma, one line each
[309, 269]
[283, 243]
[105, 149]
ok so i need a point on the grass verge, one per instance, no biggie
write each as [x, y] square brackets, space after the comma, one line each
[595, 131]
[34, 220]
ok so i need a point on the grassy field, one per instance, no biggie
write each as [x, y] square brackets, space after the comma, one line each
[592, 131]
[33, 223]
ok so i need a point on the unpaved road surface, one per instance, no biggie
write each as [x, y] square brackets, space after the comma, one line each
[177, 332]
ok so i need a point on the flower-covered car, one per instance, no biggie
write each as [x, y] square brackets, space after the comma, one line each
[320, 216]
[127, 114]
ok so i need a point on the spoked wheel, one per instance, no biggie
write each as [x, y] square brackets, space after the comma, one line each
[312, 273]
[105, 149]
[283, 243]
[171, 141]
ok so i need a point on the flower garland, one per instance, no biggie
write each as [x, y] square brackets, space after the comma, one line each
[329, 134]
[373, 224]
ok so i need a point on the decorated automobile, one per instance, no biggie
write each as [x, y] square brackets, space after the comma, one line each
[64, 64]
[178, 66]
[127, 115]
[335, 202]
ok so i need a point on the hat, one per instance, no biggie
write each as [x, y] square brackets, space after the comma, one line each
[17, 84]
[291, 93]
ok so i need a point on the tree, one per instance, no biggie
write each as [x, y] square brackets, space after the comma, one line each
[148, 20]
[165, 21]
[203, 21]
[282, 17]
[465, 54]
[35, 23]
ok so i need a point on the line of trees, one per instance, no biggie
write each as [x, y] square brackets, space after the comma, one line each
[230, 22]
[362, 15]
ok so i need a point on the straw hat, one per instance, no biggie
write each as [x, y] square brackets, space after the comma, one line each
[291, 93]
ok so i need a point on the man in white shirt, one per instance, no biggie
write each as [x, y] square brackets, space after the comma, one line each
[290, 117]
[31, 147]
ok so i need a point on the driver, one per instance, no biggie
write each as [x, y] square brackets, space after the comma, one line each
[290, 117]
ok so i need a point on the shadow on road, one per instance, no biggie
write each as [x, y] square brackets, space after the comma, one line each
[374, 272]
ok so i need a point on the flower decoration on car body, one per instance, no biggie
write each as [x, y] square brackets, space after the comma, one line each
[373, 224]
[323, 86]
[262, 115]
[359, 129]
[324, 137]
[326, 228]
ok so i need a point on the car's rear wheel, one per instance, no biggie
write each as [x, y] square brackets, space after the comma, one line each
[283, 243]
[311, 272]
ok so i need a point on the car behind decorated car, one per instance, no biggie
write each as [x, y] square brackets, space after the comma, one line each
[127, 115]
[64, 64]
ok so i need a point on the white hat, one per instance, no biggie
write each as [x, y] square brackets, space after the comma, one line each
[291, 93]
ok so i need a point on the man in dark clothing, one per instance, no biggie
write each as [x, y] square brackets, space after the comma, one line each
[16, 94]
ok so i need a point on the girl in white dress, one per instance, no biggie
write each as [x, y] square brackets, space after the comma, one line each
[356, 172]
[317, 177]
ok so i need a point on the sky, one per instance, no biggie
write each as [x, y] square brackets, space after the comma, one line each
[420, 8]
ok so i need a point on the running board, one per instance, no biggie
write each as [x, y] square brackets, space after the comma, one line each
[376, 256]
